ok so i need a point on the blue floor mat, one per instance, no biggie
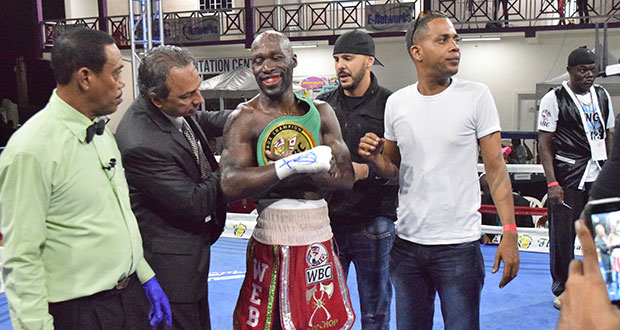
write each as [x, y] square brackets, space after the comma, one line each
[525, 303]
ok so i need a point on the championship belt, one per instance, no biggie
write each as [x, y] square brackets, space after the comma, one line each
[283, 137]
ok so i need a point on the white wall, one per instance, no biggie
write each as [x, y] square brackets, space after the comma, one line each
[81, 8]
[118, 7]
[88, 8]
[516, 64]
[179, 5]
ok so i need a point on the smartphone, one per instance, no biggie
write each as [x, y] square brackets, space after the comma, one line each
[604, 224]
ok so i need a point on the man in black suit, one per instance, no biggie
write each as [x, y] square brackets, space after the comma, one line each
[172, 179]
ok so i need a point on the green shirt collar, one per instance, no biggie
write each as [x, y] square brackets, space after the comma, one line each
[74, 120]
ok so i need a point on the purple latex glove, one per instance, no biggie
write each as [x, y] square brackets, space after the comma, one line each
[160, 307]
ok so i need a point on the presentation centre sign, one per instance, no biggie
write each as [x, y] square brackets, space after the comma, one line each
[221, 65]
[389, 17]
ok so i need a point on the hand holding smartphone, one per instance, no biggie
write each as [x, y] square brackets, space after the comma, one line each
[585, 302]
[603, 220]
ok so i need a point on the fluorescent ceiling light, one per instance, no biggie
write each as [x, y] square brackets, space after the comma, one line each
[305, 46]
[612, 69]
[481, 39]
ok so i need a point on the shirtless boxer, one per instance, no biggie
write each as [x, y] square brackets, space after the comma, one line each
[293, 278]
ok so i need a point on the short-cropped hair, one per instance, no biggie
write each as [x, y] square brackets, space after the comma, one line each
[419, 26]
[156, 65]
[77, 48]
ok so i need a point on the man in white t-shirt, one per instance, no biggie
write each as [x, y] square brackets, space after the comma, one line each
[573, 123]
[432, 132]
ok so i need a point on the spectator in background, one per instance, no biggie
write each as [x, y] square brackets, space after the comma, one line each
[603, 245]
[573, 123]
[9, 120]
[506, 150]
[11, 112]
[561, 7]
[504, 16]
[5, 129]
[520, 152]
[3, 118]
[582, 10]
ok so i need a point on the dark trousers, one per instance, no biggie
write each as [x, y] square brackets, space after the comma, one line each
[419, 272]
[125, 309]
[368, 248]
[562, 234]
[192, 316]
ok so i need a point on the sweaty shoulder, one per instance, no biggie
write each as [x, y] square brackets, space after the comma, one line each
[323, 106]
[245, 114]
[319, 103]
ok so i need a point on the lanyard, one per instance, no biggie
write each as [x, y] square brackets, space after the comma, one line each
[597, 147]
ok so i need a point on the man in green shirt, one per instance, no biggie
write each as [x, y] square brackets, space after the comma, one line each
[72, 249]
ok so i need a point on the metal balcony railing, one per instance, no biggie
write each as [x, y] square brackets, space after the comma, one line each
[311, 18]
[328, 18]
[52, 28]
[467, 14]
[231, 21]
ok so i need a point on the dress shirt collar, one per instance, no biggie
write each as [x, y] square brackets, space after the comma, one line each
[177, 122]
[75, 121]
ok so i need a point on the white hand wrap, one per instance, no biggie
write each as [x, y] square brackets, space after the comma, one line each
[314, 160]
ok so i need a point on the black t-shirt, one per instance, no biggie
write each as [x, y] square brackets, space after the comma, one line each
[606, 184]
[371, 197]
[353, 102]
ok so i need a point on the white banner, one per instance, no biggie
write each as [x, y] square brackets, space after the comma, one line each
[530, 239]
[241, 225]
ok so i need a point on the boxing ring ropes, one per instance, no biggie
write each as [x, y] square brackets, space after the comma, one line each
[241, 225]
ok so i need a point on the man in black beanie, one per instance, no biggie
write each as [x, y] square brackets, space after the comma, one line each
[573, 123]
[363, 219]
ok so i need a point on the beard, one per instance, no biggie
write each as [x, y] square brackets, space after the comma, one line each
[356, 78]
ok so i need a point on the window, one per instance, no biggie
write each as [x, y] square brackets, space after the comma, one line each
[214, 4]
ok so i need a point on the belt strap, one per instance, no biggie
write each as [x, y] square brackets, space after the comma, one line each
[123, 283]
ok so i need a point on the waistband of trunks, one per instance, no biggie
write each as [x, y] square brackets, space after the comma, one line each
[292, 222]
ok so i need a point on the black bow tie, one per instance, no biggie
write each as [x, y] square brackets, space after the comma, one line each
[96, 128]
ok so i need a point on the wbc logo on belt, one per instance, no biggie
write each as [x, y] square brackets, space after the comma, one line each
[320, 270]
[285, 139]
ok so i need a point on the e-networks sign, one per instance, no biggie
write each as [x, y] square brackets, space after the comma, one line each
[389, 17]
